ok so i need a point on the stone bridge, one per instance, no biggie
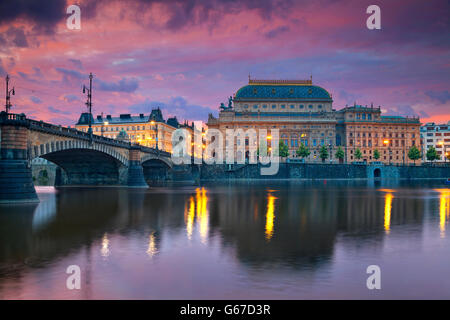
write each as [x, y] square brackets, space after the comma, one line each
[82, 158]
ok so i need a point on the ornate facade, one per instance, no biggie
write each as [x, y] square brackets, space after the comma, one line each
[147, 130]
[303, 113]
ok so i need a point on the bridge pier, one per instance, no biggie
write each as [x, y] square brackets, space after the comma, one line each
[135, 170]
[16, 182]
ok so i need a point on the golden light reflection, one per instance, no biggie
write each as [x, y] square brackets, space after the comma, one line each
[270, 216]
[152, 250]
[197, 208]
[105, 246]
[444, 209]
[189, 215]
[202, 212]
[387, 211]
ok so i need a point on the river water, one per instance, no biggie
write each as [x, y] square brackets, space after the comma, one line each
[266, 240]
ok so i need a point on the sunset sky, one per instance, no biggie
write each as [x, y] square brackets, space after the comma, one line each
[188, 56]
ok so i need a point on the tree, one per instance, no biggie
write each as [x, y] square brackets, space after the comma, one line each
[432, 154]
[358, 154]
[303, 151]
[283, 149]
[323, 153]
[376, 154]
[414, 154]
[340, 154]
[262, 149]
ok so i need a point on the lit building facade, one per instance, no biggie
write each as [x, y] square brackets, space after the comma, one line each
[303, 113]
[364, 128]
[437, 136]
[147, 130]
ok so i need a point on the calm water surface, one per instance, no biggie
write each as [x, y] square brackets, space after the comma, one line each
[229, 241]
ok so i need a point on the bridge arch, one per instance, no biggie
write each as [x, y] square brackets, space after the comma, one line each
[156, 169]
[83, 163]
[155, 158]
[40, 150]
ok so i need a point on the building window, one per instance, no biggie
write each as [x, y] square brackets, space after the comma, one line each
[265, 106]
[301, 106]
[274, 106]
[319, 106]
[292, 106]
[310, 106]
[283, 106]
[246, 106]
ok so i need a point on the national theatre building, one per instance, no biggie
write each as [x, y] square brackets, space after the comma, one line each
[303, 113]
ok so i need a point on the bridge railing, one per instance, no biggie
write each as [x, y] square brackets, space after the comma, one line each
[12, 117]
[71, 132]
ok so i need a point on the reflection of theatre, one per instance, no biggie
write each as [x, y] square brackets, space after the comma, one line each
[303, 113]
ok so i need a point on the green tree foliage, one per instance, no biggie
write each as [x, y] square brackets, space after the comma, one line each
[283, 149]
[414, 153]
[358, 154]
[376, 154]
[432, 154]
[303, 151]
[323, 153]
[340, 154]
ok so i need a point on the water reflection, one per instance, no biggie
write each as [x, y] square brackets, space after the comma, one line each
[46, 209]
[105, 246]
[387, 211]
[270, 215]
[152, 249]
[268, 239]
[189, 216]
[202, 212]
[444, 209]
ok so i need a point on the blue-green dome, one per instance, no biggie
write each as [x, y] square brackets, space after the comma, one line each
[282, 92]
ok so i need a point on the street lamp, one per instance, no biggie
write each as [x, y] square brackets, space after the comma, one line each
[8, 94]
[156, 132]
[331, 156]
[103, 125]
[89, 101]
[386, 143]
[441, 143]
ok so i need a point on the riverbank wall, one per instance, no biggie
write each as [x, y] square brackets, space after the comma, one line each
[312, 171]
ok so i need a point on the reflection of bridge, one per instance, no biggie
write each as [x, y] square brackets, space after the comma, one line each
[84, 159]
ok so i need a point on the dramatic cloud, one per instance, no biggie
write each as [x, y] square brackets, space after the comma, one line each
[43, 13]
[175, 106]
[187, 56]
[123, 85]
[35, 99]
[57, 111]
[275, 32]
[18, 37]
[77, 63]
[441, 96]
[70, 98]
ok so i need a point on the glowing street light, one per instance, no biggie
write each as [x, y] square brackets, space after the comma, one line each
[386, 144]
